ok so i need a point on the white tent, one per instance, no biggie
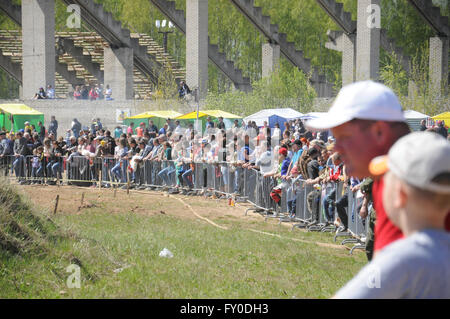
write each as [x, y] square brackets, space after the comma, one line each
[411, 114]
[263, 115]
[413, 118]
[312, 115]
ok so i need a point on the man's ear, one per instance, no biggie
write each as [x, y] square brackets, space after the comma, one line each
[401, 197]
[379, 131]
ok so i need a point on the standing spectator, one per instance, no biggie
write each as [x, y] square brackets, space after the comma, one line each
[20, 151]
[99, 124]
[50, 92]
[163, 130]
[209, 123]
[442, 130]
[76, 128]
[130, 129]
[366, 119]
[117, 132]
[170, 125]
[6, 149]
[423, 126]
[41, 131]
[108, 93]
[152, 127]
[53, 127]
[221, 124]
[140, 130]
[27, 127]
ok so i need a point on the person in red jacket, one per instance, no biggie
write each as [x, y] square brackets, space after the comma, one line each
[93, 95]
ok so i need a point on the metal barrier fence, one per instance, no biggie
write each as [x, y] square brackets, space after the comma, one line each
[309, 207]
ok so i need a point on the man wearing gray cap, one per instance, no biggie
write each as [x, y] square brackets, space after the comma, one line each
[416, 197]
[366, 119]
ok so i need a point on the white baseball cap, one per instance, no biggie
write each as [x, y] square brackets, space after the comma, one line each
[417, 159]
[365, 100]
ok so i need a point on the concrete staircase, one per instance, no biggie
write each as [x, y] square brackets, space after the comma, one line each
[115, 35]
[219, 59]
[336, 12]
[288, 49]
[80, 60]
[432, 16]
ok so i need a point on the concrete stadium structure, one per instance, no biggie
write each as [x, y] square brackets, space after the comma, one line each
[125, 57]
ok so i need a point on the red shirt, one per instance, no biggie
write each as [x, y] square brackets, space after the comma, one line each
[385, 231]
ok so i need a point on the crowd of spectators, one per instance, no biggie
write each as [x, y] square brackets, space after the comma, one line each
[93, 93]
[287, 156]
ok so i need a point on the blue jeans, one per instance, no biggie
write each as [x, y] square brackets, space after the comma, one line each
[328, 205]
[56, 170]
[291, 207]
[116, 172]
[164, 174]
[186, 179]
[18, 166]
[36, 172]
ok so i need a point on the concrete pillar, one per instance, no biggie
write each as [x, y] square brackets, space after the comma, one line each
[270, 58]
[348, 59]
[344, 43]
[38, 45]
[197, 45]
[439, 48]
[368, 40]
[118, 72]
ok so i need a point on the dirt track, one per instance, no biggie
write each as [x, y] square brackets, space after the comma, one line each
[148, 203]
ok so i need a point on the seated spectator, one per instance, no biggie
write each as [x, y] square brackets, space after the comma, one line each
[50, 92]
[93, 95]
[40, 95]
[108, 93]
[77, 93]
[183, 90]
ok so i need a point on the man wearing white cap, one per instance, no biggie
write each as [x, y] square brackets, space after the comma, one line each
[366, 119]
[417, 199]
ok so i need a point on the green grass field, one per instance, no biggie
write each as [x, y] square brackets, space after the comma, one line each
[119, 258]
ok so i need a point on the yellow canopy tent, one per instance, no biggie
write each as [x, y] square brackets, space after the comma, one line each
[214, 114]
[443, 117]
[158, 117]
[14, 116]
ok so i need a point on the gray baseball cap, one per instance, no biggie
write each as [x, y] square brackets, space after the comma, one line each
[417, 158]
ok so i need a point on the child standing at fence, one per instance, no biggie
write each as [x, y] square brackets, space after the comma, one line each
[121, 152]
[36, 164]
[416, 198]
